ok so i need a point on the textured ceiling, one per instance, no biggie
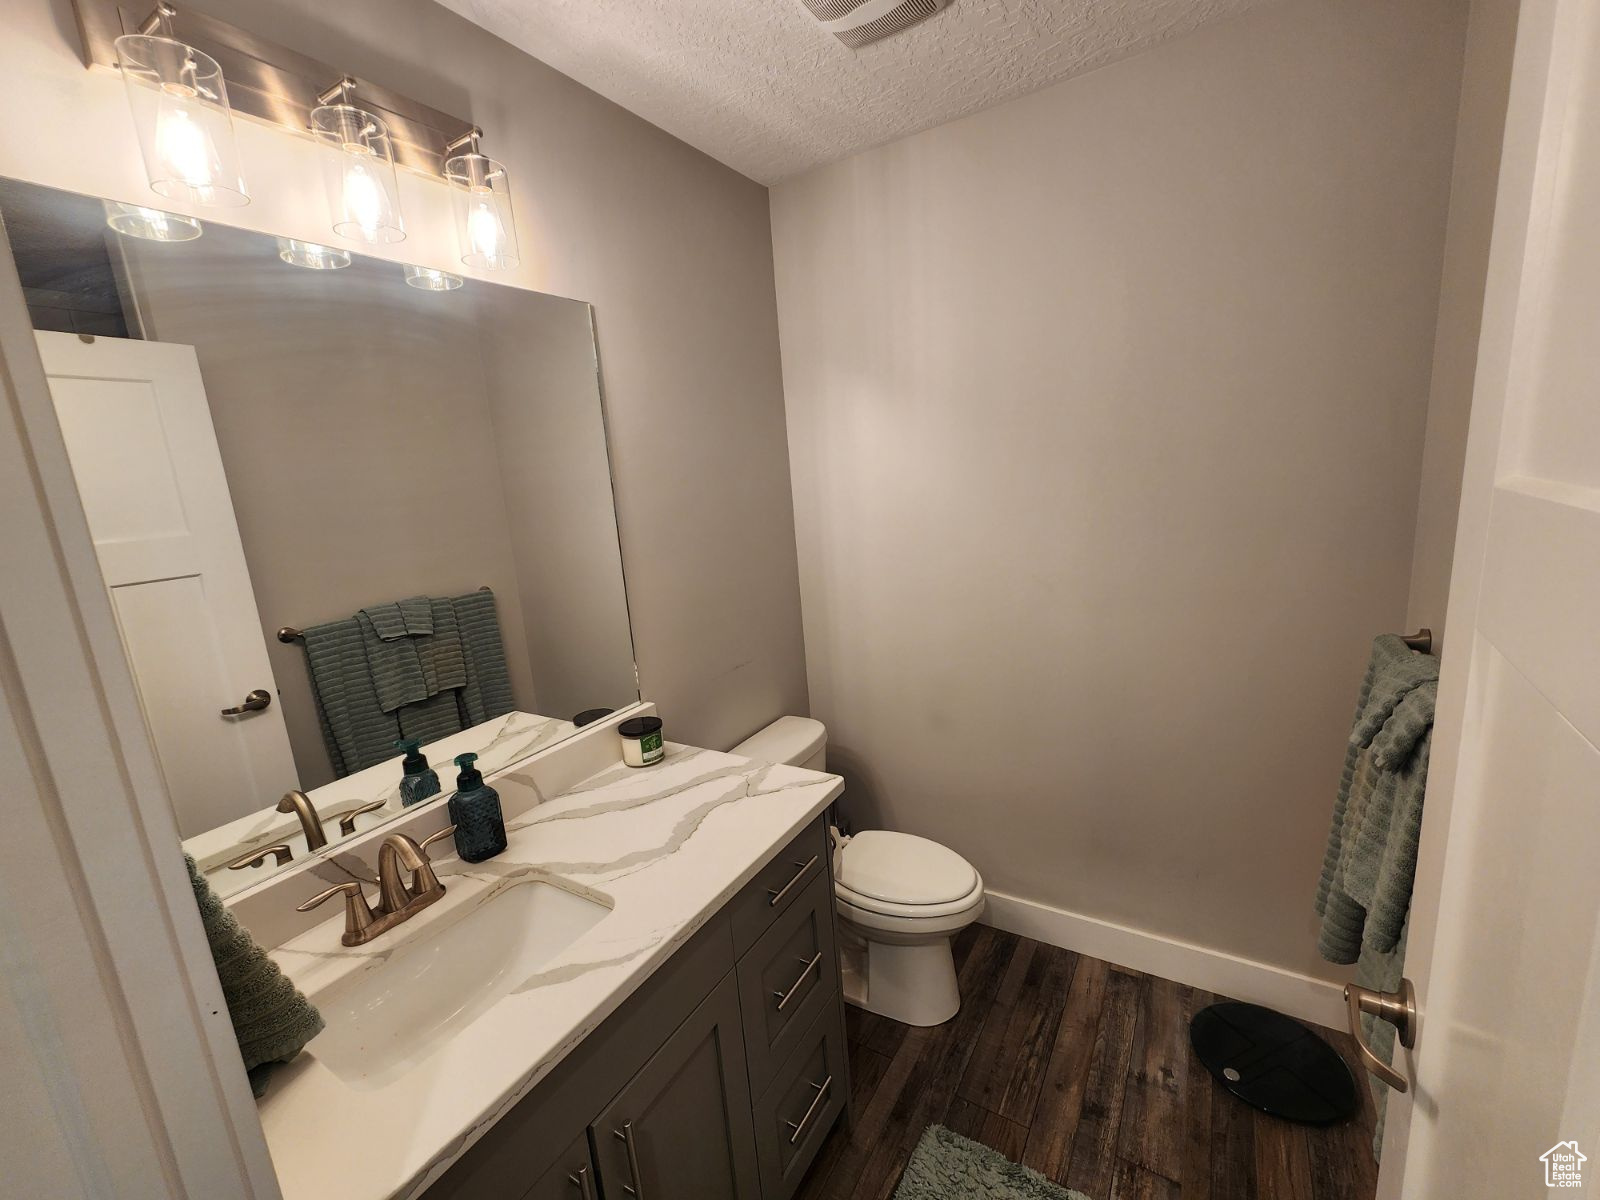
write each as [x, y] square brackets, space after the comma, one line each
[762, 87]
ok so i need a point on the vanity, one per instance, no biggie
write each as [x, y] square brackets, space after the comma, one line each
[342, 505]
[640, 996]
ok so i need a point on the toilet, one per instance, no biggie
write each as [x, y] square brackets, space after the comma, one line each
[900, 898]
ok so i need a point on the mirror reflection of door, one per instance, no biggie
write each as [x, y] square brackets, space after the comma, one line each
[139, 435]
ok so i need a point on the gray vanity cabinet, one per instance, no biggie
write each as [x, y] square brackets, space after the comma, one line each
[717, 1080]
[571, 1177]
[682, 1129]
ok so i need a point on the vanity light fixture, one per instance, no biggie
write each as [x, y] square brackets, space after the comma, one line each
[430, 280]
[481, 196]
[180, 111]
[151, 224]
[312, 256]
[358, 167]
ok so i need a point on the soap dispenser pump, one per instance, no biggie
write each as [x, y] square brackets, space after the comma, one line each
[419, 780]
[475, 809]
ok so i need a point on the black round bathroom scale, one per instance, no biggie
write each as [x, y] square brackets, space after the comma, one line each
[1274, 1063]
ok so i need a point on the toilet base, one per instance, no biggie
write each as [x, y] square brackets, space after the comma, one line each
[912, 984]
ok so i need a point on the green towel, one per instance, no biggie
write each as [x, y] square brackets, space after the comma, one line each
[488, 691]
[355, 729]
[411, 669]
[1367, 871]
[411, 617]
[371, 688]
[271, 1019]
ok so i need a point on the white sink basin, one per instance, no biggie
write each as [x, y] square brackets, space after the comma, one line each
[384, 1022]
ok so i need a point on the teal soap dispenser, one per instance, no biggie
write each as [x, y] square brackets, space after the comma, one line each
[419, 780]
[475, 809]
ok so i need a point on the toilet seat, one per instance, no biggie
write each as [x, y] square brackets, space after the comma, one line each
[902, 868]
[910, 912]
[899, 876]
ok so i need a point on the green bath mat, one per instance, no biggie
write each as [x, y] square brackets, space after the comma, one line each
[947, 1166]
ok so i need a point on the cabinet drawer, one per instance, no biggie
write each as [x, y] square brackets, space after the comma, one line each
[786, 979]
[805, 1099]
[777, 885]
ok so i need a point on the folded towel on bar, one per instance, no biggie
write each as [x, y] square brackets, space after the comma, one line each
[411, 617]
[1368, 868]
[455, 677]
[355, 729]
[272, 1020]
[414, 669]
[488, 690]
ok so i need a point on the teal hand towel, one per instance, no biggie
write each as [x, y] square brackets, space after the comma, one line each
[1364, 892]
[271, 1019]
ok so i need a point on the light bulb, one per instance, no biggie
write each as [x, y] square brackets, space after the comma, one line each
[428, 279]
[485, 233]
[135, 220]
[182, 145]
[363, 199]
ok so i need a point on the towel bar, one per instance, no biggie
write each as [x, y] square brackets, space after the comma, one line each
[288, 633]
[1421, 640]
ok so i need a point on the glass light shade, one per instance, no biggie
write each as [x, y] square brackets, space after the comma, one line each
[358, 168]
[181, 114]
[312, 256]
[151, 224]
[481, 195]
[430, 280]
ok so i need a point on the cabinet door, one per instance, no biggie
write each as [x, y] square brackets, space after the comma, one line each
[571, 1178]
[682, 1129]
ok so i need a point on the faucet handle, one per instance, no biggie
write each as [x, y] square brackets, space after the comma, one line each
[347, 823]
[423, 879]
[447, 831]
[281, 854]
[358, 915]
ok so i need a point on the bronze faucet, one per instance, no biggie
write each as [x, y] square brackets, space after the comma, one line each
[300, 805]
[398, 901]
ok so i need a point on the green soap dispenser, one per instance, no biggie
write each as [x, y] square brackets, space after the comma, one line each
[475, 809]
[419, 780]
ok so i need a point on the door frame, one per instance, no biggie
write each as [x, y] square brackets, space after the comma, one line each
[133, 1055]
[1541, 77]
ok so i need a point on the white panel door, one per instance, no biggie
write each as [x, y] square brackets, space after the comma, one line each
[138, 432]
[1505, 935]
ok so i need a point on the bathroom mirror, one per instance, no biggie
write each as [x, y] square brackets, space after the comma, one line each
[337, 503]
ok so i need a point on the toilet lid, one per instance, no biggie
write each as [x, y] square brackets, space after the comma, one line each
[901, 868]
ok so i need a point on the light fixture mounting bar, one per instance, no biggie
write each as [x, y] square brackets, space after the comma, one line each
[157, 20]
[339, 91]
[468, 141]
[270, 82]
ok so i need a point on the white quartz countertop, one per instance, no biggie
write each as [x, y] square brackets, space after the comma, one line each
[665, 847]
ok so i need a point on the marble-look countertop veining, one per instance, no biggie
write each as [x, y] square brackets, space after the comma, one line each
[665, 847]
[498, 742]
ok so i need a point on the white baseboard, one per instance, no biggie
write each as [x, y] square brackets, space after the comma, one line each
[1290, 992]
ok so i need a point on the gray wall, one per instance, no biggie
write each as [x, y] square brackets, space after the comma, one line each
[673, 249]
[1106, 411]
[1480, 128]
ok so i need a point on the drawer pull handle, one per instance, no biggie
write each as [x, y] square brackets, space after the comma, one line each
[775, 895]
[625, 1136]
[799, 1127]
[783, 998]
[581, 1182]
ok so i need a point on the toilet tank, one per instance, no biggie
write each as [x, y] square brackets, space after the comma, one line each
[792, 741]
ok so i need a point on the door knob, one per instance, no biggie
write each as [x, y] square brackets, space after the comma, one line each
[1397, 1008]
[254, 702]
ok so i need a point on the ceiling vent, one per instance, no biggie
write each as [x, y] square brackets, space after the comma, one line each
[857, 22]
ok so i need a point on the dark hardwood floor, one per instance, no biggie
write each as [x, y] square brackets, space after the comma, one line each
[1083, 1071]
